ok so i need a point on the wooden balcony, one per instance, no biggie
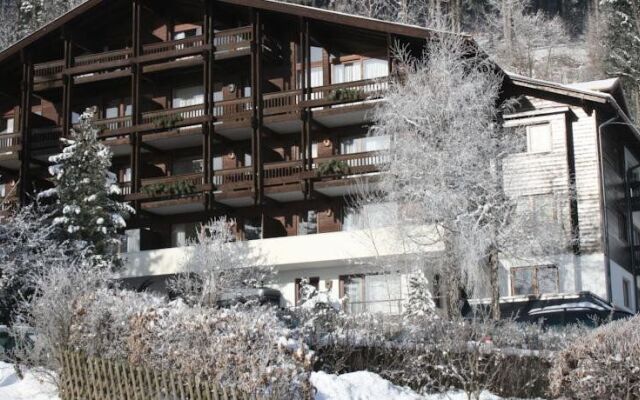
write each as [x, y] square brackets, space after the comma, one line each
[46, 137]
[10, 142]
[234, 187]
[228, 43]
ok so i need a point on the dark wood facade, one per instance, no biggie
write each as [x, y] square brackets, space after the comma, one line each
[256, 99]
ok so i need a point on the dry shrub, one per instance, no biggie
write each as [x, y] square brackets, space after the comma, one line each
[433, 355]
[603, 365]
[246, 347]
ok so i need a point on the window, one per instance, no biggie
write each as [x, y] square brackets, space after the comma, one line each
[252, 228]
[372, 293]
[186, 33]
[539, 138]
[626, 293]
[6, 125]
[317, 77]
[308, 223]
[3, 190]
[621, 228]
[353, 145]
[126, 175]
[313, 281]
[375, 68]
[183, 234]
[534, 280]
[187, 165]
[248, 159]
[218, 163]
[112, 111]
[347, 72]
[188, 96]
[316, 54]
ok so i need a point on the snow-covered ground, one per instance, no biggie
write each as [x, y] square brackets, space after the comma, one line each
[362, 385]
[29, 388]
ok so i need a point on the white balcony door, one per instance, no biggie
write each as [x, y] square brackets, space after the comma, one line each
[188, 96]
[347, 72]
[375, 68]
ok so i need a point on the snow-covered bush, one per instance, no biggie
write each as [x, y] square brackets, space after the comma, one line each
[433, 355]
[43, 325]
[246, 346]
[217, 265]
[603, 365]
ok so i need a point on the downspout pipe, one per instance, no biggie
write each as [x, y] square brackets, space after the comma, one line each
[605, 221]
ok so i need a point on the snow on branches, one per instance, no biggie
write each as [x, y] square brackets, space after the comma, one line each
[86, 212]
[217, 264]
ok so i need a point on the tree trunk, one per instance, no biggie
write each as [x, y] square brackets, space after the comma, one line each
[494, 277]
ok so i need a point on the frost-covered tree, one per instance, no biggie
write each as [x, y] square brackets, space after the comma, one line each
[86, 211]
[28, 247]
[446, 168]
[419, 303]
[216, 264]
[622, 43]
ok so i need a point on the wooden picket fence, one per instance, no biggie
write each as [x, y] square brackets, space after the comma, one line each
[91, 378]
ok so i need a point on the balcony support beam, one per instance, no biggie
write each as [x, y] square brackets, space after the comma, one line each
[207, 77]
[135, 139]
[25, 127]
[258, 112]
[67, 82]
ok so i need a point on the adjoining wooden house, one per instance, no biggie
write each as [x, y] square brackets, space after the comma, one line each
[233, 107]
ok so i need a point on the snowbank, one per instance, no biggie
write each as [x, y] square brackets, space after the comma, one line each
[364, 385]
[29, 388]
[361, 385]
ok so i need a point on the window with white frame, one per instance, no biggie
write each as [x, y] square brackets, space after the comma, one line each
[539, 138]
[375, 68]
[626, 292]
[3, 190]
[308, 224]
[380, 293]
[6, 125]
[252, 228]
[183, 234]
[218, 163]
[536, 280]
[352, 145]
[347, 72]
[187, 33]
[188, 96]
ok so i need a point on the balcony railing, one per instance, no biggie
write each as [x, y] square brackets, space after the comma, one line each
[105, 57]
[231, 40]
[233, 179]
[173, 45]
[283, 172]
[46, 137]
[10, 142]
[172, 186]
[173, 116]
[348, 92]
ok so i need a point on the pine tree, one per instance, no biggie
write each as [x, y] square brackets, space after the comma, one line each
[85, 210]
[622, 43]
[420, 303]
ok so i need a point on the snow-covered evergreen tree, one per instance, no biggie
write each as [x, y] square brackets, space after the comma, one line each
[622, 42]
[420, 302]
[86, 212]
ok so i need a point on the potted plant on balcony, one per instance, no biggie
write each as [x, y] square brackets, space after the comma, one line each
[167, 121]
[347, 94]
[333, 167]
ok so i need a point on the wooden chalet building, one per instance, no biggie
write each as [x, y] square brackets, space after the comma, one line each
[233, 107]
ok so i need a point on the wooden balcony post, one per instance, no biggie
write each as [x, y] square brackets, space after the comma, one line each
[302, 48]
[134, 138]
[258, 112]
[25, 127]
[207, 78]
[67, 82]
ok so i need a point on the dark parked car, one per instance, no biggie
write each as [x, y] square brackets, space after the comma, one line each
[240, 296]
[555, 309]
